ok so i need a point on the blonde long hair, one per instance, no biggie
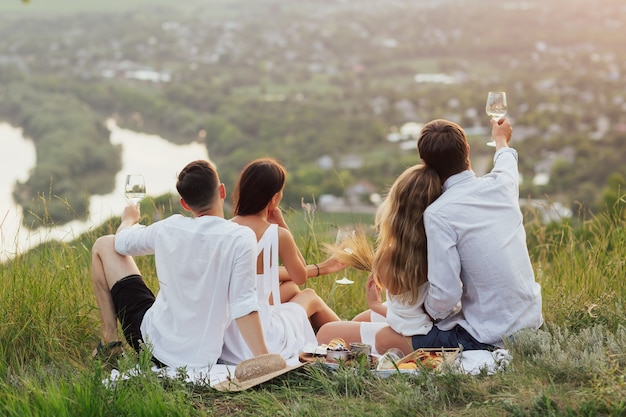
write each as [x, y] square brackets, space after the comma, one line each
[400, 261]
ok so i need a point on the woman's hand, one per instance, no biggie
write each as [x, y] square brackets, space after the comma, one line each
[275, 216]
[372, 293]
[331, 265]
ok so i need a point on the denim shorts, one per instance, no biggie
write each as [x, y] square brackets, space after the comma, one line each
[131, 299]
[454, 338]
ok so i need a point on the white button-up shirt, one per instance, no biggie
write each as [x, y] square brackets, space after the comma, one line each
[477, 255]
[206, 268]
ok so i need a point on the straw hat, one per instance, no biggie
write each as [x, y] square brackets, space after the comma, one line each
[255, 371]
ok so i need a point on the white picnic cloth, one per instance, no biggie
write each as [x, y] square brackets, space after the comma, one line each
[202, 377]
[471, 362]
[474, 362]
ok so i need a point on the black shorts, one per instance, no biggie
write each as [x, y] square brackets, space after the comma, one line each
[131, 299]
[454, 338]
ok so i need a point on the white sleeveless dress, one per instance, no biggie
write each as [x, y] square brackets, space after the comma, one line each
[286, 326]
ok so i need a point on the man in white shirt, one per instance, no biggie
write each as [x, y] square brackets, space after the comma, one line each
[206, 267]
[477, 253]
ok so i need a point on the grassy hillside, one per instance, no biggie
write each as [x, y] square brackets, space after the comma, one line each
[573, 366]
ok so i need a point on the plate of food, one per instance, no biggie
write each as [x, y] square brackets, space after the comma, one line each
[428, 359]
[390, 363]
[335, 352]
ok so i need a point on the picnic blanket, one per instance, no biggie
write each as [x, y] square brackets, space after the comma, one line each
[471, 362]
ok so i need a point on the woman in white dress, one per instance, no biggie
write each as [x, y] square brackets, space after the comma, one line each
[399, 265]
[286, 326]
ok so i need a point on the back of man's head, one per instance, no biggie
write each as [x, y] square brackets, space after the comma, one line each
[443, 146]
[198, 185]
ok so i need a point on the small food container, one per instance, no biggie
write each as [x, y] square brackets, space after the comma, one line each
[360, 349]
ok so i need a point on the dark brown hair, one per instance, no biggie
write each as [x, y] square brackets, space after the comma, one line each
[443, 146]
[198, 184]
[258, 182]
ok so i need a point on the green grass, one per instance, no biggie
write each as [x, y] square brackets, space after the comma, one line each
[573, 366]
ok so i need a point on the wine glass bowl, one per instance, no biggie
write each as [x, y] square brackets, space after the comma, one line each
[389, 360]
[496, 107]
[135, 188]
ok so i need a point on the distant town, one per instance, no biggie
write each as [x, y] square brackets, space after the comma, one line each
[339, 92]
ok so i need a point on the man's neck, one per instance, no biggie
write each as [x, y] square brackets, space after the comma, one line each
[216, 212]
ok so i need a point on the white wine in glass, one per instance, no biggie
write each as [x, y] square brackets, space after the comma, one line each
[496, 107]
[342, 237]
[135, 188]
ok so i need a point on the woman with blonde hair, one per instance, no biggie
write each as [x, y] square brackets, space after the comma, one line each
[399, 266]
[286, 325]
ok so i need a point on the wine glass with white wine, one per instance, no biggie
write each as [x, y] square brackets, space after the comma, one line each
[135, 188]
[496, 108]
[342, 236]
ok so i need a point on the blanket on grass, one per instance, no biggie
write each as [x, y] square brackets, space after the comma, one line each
[471, 362]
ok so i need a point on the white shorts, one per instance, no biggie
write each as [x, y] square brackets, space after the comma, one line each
[368, 333]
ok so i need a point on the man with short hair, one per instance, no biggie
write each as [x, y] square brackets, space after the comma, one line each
[477, 253]
[206, 267]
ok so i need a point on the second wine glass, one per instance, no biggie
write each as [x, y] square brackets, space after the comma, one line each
[135, 188]
[496, 108]
[342, 236]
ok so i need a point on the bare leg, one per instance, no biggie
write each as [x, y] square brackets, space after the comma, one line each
[288, 290]
[350, 331]
[388, 338]
[318, 311]
[363, 316]
[108, 267]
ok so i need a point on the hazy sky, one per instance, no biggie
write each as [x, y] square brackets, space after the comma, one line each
[36, 6]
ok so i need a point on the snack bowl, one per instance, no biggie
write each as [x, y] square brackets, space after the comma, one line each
[360, 349]
[338, 355]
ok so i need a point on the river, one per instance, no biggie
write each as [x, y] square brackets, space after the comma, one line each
[156, 158]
